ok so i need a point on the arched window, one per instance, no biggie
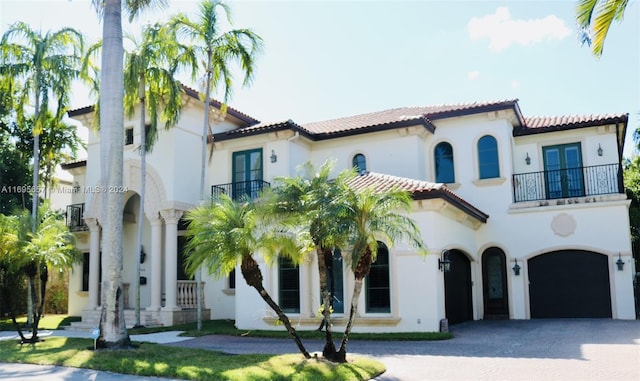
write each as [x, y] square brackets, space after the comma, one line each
[443, 156]
[488, 163]
[378, 291]
[359, 163]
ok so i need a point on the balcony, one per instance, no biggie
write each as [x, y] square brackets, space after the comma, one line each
[74, 219]
[568, 183]
[241, 189]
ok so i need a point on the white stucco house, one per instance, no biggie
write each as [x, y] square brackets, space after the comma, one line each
[527, 214]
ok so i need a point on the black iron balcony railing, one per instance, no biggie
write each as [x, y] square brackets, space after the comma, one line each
[75, 222]
[569, 182]
[250, 189]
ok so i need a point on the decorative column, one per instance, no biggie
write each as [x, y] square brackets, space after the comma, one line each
[94, 262]
[156, 264]
[171, 218]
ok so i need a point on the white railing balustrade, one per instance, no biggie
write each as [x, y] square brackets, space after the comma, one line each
[187, 294]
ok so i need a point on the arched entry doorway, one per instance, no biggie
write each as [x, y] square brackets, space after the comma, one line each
[494, 284]
[457, 288]
[569, 284]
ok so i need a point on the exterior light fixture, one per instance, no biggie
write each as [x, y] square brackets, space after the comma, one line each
[620, 262]
[516, 268]
[444, 263]
[527, 159]
[273, 156]
[599, 150]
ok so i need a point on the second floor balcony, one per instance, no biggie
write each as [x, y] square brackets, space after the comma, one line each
[238, 190]
[568, 183]
[74, 219]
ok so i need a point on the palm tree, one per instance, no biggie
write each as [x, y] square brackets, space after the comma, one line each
[51, 247]
[149, 80]
[375, 215]
[227, 232]
[216, 50]
[45, 64]
[113, 333]
[311, 199]
[594, 19]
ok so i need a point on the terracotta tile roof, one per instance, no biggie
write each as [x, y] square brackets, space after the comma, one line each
[540, 124]
[250, 121]
[74, 164]
[261, 128]
[376, 121]
[230, 110]
[420, 190]
[405, 115]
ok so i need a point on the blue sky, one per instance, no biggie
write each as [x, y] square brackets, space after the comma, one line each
[327, 59]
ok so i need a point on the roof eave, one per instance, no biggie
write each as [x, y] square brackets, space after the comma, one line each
[460, 204]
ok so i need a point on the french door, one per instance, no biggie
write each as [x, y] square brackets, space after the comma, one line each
[563, 171]
[247, 174]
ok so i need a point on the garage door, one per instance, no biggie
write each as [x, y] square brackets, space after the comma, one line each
[569, 284]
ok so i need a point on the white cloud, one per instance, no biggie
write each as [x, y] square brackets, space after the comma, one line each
[503, 31]
[515, 84]
[473, 75]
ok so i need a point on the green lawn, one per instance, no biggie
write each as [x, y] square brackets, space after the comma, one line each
[196, 364]
[192, 364]
[226, 327]
[47, 322]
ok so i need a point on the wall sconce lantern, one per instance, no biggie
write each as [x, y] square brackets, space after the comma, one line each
[444, 263]
[516, 268]
[527, 159]
[273, 156]
[143, 255]
[599, 150]
[620, 263]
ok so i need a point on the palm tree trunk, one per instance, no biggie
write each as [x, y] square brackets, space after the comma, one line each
[324, 256]
[253, 276]
[362, 269]
[341, 356]
[36, 181]
[113, 333]
[143, 178]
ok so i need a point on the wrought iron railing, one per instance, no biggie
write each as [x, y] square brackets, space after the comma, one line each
[567, 183]
[241, 189]
[74, 219]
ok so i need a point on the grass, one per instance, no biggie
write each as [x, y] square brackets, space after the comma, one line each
[185, 363]
[226, 327]
[47, 322]
[197, 364]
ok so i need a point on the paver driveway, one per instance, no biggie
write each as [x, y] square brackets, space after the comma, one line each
[545, 349]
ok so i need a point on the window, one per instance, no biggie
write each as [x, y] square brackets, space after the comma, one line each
[128, 136]
[443, 157]
[359, 163]
[247, 174]
[289, 285]
[378, 292]
[335, 283]
[232, 279]
[85, 272]
[488, 164]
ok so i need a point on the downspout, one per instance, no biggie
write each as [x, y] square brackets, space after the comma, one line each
[619, 139]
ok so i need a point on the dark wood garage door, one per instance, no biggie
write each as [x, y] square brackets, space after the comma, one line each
[569, 284]
[457, 288]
